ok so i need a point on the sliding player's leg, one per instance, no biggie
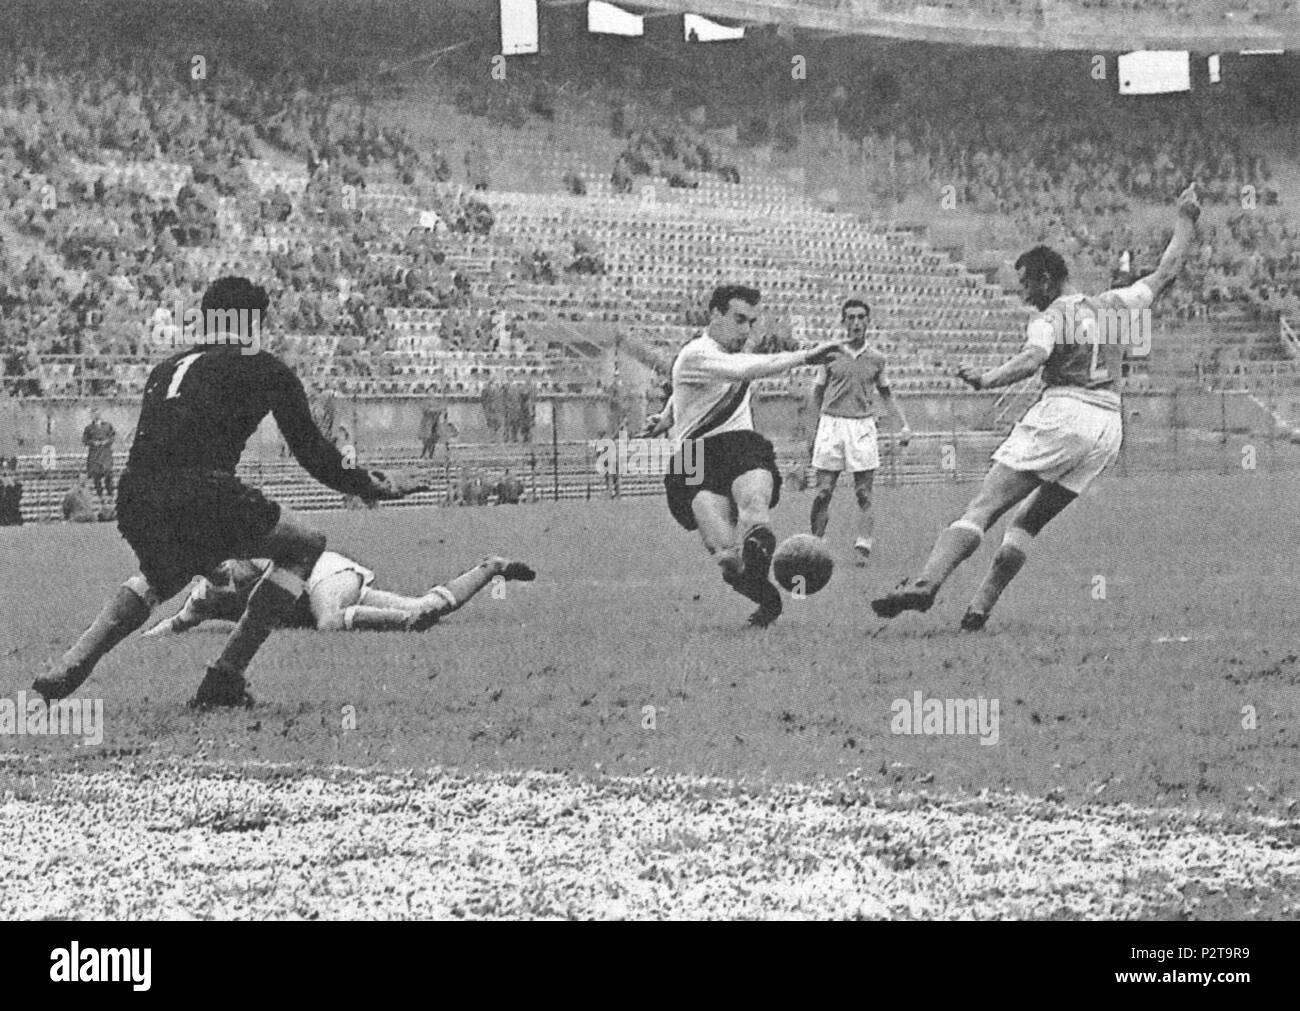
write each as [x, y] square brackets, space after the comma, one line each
[1003, 488]
[220, 596]
[293, 548]
[456, 593]
[1037, 511]
[821, 507]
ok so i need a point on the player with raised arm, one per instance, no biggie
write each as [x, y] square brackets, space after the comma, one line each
[733, 484]
[341, 596]
[183, 511]
[846, 428]
[1068, 437]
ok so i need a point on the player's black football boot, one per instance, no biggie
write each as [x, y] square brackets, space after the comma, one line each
[916, 595]
[768, 598]
[973, 621]
[60, 684]
[221, 689]
[756, 551]
[518, 571]
[756, 554]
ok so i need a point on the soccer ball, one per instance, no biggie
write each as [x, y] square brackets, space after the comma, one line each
[802, 564]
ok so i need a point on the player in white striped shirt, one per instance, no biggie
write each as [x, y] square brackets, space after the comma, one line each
[730, 490]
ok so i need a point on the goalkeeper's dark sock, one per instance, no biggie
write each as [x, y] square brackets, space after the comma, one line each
[957, 543]
[120, 616]
[1007, 562]
[270, 605]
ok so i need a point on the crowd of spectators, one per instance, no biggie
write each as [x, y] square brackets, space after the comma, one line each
[670, 151]
[1180, 11]
[509, 409]
[126, 185]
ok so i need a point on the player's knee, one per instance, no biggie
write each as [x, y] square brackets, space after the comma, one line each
[864, 497]
[332, 620]
[143, 589]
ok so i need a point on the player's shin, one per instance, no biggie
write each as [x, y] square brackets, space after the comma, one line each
[464, 586]
[128, 609]
[866, 517]
[821, 512]
[376, 619]
[957, 543]
[270, 605]
[1007, 562]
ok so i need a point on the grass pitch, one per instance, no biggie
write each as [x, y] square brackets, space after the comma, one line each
[613, 741]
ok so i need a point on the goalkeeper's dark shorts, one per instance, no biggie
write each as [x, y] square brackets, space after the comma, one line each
[717, 461]
[184, 523]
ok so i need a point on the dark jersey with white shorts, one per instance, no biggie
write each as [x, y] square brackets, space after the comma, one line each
[180, 506]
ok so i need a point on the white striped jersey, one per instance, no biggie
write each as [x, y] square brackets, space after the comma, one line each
[704, 404]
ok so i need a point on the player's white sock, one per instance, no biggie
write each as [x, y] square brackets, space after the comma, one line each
[376, 619]
[1007, 562]
[957, 543]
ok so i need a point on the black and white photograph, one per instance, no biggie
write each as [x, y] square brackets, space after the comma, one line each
[651, 460]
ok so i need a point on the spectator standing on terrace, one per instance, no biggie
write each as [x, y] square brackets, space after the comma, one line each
[476, 166]
[11, 494]
[509, 489]
[492, 397]
[525, 402]
[77, 506]
[98, 438]
[322, 411]
[430, 425]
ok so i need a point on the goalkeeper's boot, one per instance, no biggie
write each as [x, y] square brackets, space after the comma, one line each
[914, 595]
[221, 688]
[973, 621]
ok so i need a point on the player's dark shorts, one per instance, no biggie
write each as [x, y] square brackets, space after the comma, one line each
[183, 523]
[719, 460]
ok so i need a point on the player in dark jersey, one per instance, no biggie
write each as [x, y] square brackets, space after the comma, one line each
[182, 509]
[1066, 439]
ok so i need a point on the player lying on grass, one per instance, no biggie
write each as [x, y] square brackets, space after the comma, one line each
[1068, 437]
[733, 484]
[341, 595]
[183, 511]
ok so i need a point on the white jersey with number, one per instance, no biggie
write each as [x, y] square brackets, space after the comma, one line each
[1084, 337]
